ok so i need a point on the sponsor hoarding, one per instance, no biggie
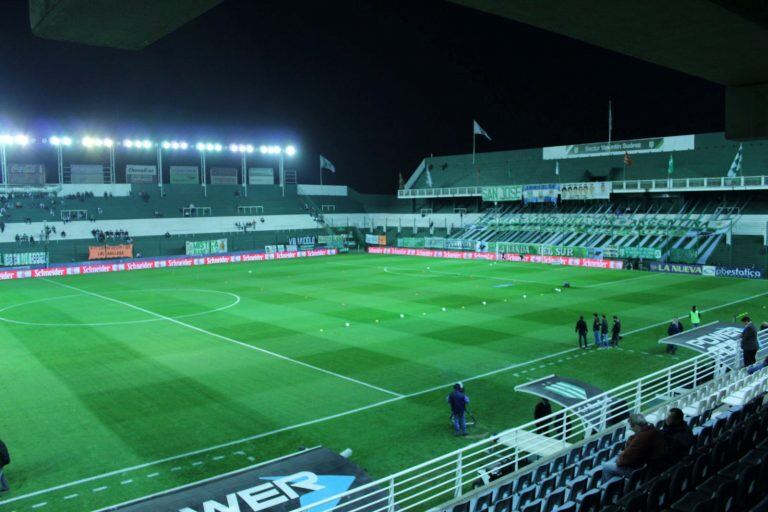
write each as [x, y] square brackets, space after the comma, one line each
[223, 176]
[26, 174]
[198, 247]
[185, 174]
[19, 259]
[110, 252]
[584, 191]
[742, 272]
[86, 173]
[140, 173]
[676, 268]
[619, 147]
[375, 239]
[541, 193]
[471, 255]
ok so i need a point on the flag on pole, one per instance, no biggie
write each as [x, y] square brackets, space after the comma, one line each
[671, 165]
[627, 159]
[478, 130]
[401, 182]
[735, 169]
[557, 168]
[326, 164]
[610, 122]
[429, 178]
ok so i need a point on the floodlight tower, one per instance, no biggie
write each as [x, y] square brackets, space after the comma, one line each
[10, 140]
[175, 145]
[281, 153]
[60, 142]
[209, 147]
[244, 150]
[89, 142]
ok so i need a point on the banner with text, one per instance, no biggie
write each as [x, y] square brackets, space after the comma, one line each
[86, 173]
[140, 173]
[261, 176]
[223, 176]
[503, 193]
[196, 247]
[110, 252]
[26, 174]
[586, 191]
[372, 239]
[541, 193]
[619, 147]
[21, 259]
[676, 268]
[185, 175]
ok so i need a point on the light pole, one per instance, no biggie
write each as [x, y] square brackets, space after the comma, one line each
[9, 140]
[60, 143]
[244, 150]
[204, 147]
[95, 142]
[175, 145]
[289, 150]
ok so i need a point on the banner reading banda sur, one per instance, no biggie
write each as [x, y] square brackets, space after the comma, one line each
[107, 252]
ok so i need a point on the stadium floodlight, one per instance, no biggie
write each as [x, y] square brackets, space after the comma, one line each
[249, 148]
[108, 142]
[263, 150]
[21, 139]
[128, 143]
[183, 145]
[209, 146]
[233, 148]
[66, 141]
[147, 144]
[200, 146]
[290, 150]
[217, 147]
[55, 141]
[166, 145]
[14, 140]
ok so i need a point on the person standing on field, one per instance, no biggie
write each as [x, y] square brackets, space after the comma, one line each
[596, 329]
[581, 330]
[749, 343]
[674, 328]
[604, 331]
[615, 331]
[5, 459]
[458, 402]
[695, 317]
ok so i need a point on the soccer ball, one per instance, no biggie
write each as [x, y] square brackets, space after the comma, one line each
[250, 271]
[402, 315]
[484, 303]
[346, 324]
[444, 309]
[525, 296]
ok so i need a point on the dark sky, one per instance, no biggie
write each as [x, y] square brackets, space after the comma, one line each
[374, 85]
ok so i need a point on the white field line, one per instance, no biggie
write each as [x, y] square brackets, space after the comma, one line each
[334, 416]
[226, 338]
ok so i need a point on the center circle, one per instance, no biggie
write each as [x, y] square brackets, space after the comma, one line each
[235, 300]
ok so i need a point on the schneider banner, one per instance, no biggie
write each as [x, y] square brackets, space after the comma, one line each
[619, 147]
[110, 252]
[503, 193]
[196, 247]
[280, 485]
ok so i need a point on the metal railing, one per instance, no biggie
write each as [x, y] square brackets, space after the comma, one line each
[630, 186]
[449, 476]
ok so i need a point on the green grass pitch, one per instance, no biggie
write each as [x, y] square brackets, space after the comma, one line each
[149, 380]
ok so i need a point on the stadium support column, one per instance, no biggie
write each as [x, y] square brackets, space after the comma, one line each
[202, 173]
[3, 166]
[60, 163]
[160, 168]
[281, 167]
[245, 174]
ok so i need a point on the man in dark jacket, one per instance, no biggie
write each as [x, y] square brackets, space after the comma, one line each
[596, 330]
[646, 447]
[678, 435]
[749, 345]
[458, 402]
[604, 331]
[543, 409]
[674, 328]
[5, 459]
[581, 330]
[616, 331]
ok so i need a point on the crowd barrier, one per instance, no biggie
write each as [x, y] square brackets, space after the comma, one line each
[150, 263]
[490, 256]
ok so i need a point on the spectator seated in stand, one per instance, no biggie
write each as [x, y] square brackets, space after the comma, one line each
[678, 434]
[647, 447]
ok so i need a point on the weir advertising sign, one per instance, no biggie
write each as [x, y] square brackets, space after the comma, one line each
[316, 475]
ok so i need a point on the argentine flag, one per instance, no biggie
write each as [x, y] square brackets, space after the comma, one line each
[735, 169]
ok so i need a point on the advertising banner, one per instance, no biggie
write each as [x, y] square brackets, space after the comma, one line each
[721, 340]
[546, 250]
[541, 193]
[302, 242]
[86, 173]
[490, 256]
[261, 176]
[107, 252]
[198, 247]
[683, 255]
[503, 193]
[676, 268]
[461, 245]
[140, 173]
[585, 191]
[375, 239]
[280, 485]
[619, 147]
[434, 243]
[22, 259]
[740, 272]
[646, 253]
[223, 176]
[185, 175]
[413, 242]
[26, 174]
[331, 239]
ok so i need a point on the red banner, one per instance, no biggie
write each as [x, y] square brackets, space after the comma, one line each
[489, 256]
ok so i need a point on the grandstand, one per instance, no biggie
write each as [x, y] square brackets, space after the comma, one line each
[388, 333]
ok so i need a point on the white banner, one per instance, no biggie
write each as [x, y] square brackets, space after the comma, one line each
[86, 173]
[321, 190]
[140, 173]
[619, 147]
[591, 190]
[261, 176]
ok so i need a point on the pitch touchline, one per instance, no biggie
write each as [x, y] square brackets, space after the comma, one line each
[226, 338]
[331, 417]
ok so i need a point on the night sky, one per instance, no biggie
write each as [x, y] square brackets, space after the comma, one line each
[374, 85]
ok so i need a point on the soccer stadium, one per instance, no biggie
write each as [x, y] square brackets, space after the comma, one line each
[200, 324]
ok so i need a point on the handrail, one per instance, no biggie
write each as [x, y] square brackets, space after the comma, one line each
[629, 186]
[452, 474]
